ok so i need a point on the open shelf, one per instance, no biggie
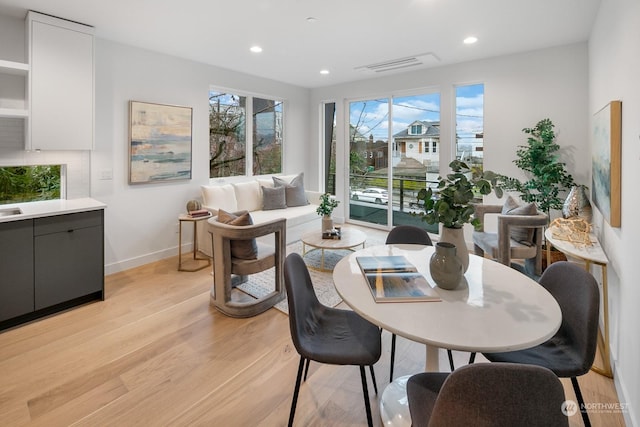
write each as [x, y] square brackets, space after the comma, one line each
[10, 67]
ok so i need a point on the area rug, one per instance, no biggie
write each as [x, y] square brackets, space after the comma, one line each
[262, 283]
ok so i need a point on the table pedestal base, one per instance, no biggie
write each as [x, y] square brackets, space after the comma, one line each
[394, 406]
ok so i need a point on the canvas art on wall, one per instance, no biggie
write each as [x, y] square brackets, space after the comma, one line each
[606, 162]
[159, 142]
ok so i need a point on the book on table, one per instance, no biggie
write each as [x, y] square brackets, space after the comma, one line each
[395, 279]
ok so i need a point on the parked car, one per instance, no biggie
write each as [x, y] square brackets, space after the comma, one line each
[373, 195]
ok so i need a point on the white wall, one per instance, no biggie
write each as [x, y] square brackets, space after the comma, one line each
[141, 220]
[520, 90]
[613, 75]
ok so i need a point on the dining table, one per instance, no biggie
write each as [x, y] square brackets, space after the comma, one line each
[494, 309]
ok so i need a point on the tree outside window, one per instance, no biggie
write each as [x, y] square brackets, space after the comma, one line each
[234, 143]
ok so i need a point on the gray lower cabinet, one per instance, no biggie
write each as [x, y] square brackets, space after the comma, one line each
[16, 267]
[49, 264]
[69, 260]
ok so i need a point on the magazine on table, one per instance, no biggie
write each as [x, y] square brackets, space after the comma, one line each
[395, 279]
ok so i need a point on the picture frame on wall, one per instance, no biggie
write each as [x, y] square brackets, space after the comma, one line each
[606, 162]
[160, 142]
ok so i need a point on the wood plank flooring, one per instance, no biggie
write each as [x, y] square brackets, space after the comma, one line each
[154, 353]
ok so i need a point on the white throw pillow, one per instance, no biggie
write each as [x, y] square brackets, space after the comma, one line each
[248, 196]
[219, 197]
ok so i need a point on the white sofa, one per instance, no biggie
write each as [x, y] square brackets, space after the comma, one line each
[248, 196]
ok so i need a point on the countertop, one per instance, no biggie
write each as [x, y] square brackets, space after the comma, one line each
[49, 208]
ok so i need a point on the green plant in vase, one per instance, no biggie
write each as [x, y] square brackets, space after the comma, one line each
[451, 204]
[327, 204]
[547, 176]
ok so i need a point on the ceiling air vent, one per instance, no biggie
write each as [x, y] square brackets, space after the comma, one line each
[423, 59]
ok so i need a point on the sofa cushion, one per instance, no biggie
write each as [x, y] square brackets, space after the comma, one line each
[219, 197]
[248, 196]
[265, 182]
[520, 234]
[273, 198]
[294, 190]
[243, 249]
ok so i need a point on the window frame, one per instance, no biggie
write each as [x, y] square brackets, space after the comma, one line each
[249, 126]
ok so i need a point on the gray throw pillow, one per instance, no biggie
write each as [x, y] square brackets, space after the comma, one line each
[273, 198]
[243, 249]
[520, 234]
[294, 190]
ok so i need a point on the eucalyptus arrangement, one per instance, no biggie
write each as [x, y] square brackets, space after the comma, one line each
[452, 204]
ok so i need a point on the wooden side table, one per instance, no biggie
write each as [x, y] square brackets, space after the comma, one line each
[590, 255]
[188, 218]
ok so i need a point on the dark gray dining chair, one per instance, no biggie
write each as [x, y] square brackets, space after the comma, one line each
[409, 235]
[327, 335]
[571, 351]
[487, 395]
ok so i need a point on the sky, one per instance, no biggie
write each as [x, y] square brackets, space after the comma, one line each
[372, 116]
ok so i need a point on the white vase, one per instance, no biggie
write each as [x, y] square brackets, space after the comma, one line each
[456, 236]
[327, 223]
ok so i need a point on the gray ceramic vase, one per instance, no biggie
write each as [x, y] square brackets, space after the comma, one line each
[445, 267]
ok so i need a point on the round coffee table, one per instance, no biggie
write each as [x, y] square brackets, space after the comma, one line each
[349, 239]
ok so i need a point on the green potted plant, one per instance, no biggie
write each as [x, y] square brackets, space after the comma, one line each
[327, 204]
[547, 176]
[452, 203]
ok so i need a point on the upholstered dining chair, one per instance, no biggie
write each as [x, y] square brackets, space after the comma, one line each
[409, 235]
[327, 335]
[487, 395]
[236, 255]
[518, 236]
[571, 351]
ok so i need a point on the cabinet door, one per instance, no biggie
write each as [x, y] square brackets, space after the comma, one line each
[68, 265]
[16, 265]
[60, 86]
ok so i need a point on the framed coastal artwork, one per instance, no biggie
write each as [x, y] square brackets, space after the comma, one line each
[160, 138]
[606, 162]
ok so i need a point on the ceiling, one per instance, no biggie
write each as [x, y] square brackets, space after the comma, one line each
[345, 36]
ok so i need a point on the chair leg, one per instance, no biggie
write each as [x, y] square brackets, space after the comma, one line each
[451, 365]
[295, 392]
[306, 369]
[472, 358]
[583, 410]
[393, 356]
[365, 393]
[373, 378]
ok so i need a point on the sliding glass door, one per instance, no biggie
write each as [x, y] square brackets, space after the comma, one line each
[394, 149]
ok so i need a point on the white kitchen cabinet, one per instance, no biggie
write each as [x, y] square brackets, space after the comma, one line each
[12, 89]
[60, 87]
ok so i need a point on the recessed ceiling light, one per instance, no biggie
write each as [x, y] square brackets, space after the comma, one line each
[470, 40]
[324, 71]
[256, 49]
[311, 19]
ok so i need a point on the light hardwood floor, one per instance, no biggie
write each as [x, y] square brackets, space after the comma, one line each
[154, 353]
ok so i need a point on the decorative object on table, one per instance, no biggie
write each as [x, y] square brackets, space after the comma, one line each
[195, 210]
[193, 205]
[159, 142]
[606, 162]
[452, 203]
[445, 267]
[539, 160]
[573, 230]
[327, 204]
[577, 204]
[331, 234]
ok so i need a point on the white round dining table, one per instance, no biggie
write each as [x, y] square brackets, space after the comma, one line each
[494, 309]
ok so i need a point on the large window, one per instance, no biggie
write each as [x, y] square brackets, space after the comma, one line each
[241, 147]
[29, 183]
[470, 125]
